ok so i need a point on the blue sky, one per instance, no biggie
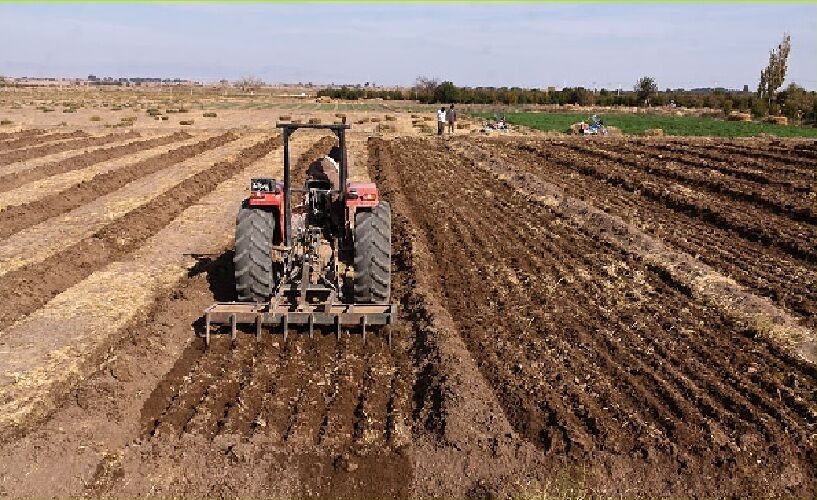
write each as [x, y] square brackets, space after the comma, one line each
[529, 45]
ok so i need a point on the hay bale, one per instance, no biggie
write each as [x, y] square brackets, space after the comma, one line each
[391, 118]
[416, 123]
[574, 129]
[153, 111]
[285, 118]
[654, 132]
[96, 118]
[340, 115]
[614, 131]
[463, 126]
[186, 122]
[165, 118]
[385, 127]
[314, 121]
[210, 115]
[414, 115]
[374, 119]
[737, 116]
[428, 118]
[428, 129]
[6, 122]
[777, 120]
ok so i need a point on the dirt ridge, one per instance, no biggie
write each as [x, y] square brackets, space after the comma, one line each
[11, 181]
[30, 287]
[19, 217]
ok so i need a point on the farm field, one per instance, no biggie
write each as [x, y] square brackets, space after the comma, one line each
[672, 125]
[614, 316]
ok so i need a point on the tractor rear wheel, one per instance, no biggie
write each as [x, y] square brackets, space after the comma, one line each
[372, 281]
[255, 271]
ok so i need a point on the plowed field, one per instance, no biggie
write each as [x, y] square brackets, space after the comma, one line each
[616, 316]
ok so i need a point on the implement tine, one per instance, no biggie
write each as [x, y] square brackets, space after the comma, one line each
[363, 322]
[311, 324]
[207, 329]
[258, 328]
[337, 320]
[233, 327]
[285, 319]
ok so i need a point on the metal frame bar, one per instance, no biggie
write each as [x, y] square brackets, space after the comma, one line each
[242, 313]
[288, 129]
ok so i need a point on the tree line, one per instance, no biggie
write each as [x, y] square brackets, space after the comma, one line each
[794, 101]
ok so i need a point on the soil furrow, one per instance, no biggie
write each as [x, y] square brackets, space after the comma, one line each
[31, 286]
[47, 149]
[26, 138]
[11, 181]
[751, 263]
[572, 420]
[18, 217]
[784, 202]
[789, 236]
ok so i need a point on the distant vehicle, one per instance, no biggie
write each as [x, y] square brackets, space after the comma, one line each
[499, 122]
[594, 127]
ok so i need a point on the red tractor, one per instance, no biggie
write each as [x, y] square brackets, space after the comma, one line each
[324, 261]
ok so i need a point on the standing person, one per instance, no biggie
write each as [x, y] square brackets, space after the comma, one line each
[451, 118]
[441, 121]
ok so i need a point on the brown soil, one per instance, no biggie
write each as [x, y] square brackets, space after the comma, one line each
[630, 383]
[24, 138]
[18, 217]
[30, 287]
[17, 179]
[540, 348]
[29, 153]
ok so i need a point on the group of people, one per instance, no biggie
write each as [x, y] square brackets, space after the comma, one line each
[444, 116]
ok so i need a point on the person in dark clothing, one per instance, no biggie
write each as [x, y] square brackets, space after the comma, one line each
[451, 118]
[327, 168]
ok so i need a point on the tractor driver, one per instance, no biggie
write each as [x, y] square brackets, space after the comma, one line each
[326, 168]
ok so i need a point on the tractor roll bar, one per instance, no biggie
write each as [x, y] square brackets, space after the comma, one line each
[340, 130]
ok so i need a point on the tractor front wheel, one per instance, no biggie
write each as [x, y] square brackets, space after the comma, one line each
[255, 271]
[372, 283]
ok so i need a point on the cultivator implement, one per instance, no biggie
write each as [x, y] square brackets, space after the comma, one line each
[285, 315]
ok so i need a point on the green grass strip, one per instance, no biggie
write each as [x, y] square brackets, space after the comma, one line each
[672, 125]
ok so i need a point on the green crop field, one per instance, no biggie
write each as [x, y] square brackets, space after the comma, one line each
[672, 125]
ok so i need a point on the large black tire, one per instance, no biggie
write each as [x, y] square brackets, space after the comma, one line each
[372, 282]
[255, 271]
